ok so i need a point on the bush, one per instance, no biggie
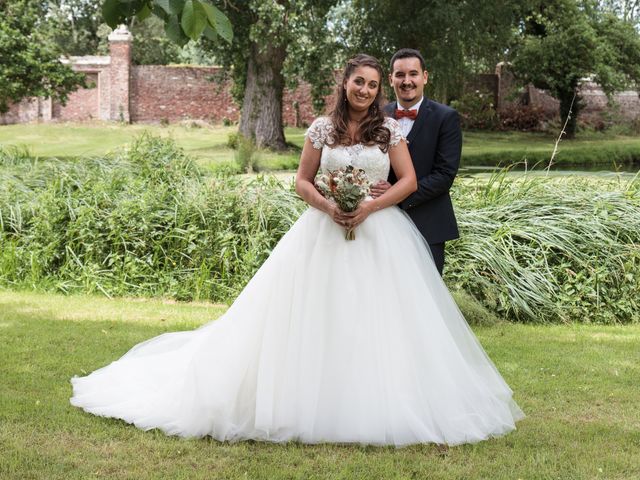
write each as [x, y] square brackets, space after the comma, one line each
[550, 249]
[476, 110]
[524, 118]
[232, 140]
[247, 155]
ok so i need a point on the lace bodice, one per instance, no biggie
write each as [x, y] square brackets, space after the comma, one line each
[370, 158]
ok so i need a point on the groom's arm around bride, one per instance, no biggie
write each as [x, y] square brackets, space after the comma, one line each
[435, 144]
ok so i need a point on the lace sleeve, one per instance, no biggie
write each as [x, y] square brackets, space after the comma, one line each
[394, 128]
[319, 131]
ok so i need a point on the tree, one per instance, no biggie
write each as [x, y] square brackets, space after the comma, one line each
[276, 42]
[273, 41]
[29, 62]
[563, 42]
[457, 39]
[73, 25]
[627, 10]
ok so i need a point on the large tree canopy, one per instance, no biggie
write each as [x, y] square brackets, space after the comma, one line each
[563, 42]
[29, 62]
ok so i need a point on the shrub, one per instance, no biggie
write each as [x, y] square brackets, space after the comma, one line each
[523, 118]
[247, 154]
[144, 222]
[550, 249]
[476, 110]
[232, 140]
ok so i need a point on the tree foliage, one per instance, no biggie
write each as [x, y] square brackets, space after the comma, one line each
[73, 25]
[457, 39]
[276, 43]
[184, 20]
[563, 43]
[627, 10]
[29, 62]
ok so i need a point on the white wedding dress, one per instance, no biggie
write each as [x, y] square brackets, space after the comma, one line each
[331, 341]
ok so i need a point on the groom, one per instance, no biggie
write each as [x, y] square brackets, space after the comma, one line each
[433, 133]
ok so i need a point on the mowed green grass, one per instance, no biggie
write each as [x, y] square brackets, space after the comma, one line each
[578, 385]
[209, 144]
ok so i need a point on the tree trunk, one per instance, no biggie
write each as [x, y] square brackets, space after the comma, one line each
[261, 118]
[568, 110]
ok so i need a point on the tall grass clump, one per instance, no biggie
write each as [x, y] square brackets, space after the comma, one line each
[550, 249]
[142, 222]
[147, 222]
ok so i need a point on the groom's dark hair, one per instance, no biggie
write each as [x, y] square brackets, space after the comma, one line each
[406, 53]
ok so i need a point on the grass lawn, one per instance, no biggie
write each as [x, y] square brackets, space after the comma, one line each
[209, 144]
[578, 385]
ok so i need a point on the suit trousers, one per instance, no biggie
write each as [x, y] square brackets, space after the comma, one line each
[437, 250]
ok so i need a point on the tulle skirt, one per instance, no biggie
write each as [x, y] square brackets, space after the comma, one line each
[331, 341]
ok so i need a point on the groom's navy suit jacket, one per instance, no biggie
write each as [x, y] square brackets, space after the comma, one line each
[435, 145]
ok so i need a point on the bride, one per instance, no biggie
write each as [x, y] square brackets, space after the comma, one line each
[331, 340]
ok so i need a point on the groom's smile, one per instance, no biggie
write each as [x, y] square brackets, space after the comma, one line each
[408, 81]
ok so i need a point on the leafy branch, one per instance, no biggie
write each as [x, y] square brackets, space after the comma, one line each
[184, 20]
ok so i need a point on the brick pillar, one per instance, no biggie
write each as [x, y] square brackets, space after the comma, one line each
[119, 70]
[506, 85]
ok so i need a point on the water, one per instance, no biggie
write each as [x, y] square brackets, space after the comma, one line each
[561, 169]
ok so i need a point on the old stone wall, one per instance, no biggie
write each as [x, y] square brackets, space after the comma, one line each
[83, 104]
[28, 110]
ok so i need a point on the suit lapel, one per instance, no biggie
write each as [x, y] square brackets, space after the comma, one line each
[425, 108]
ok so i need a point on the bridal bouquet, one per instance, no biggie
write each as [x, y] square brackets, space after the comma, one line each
[347, 187]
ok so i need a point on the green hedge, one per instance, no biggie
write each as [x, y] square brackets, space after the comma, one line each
[146, 222]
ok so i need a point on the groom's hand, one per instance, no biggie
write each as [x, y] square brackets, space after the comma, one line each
[379, 188]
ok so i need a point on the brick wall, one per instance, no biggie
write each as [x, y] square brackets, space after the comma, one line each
[175, 93]
[626, 104]
[178, 93]
[83, 104]
[27, 110]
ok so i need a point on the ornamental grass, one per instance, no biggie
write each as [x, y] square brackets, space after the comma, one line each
[147, 222]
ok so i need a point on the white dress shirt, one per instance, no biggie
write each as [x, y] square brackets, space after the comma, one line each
[406, 123]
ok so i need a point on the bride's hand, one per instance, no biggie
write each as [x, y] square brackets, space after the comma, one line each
[360, 214]
[338, 215]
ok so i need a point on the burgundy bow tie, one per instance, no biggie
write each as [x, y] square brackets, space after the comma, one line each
[400, 113]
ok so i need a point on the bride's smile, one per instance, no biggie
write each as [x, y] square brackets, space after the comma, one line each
[362, 87]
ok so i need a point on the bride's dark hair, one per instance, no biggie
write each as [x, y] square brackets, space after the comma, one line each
[371, 130]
